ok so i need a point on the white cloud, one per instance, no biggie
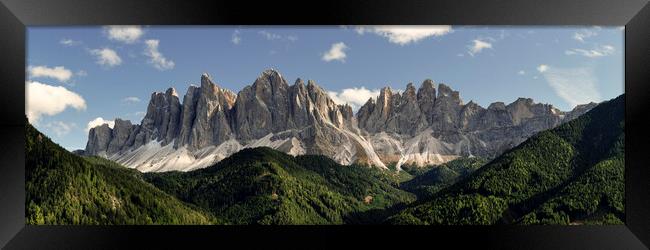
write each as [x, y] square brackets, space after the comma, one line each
[574, 85]
[60, 128]
[477, 46]
[106, 57]
[43, 99]
[336, 52]
[521, 72]
[98, 122]
[404, 35]
[583, 34]
[236, 39]
[273, 36]
[355, 97]
[125, 34]
[81, 73]
[59, 72]
[69, 42]
[604, 50]
[269, 35]
[155, 57]
[131, 99]
[542, 68]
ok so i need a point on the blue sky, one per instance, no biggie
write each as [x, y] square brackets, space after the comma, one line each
[84, 76]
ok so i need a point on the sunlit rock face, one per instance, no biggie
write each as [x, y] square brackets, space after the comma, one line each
[419, 126]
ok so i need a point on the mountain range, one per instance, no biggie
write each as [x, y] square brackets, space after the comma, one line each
[572, 174]
[427, 126]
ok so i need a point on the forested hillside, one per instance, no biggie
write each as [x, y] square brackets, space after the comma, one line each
[63, 188]
[572, 174]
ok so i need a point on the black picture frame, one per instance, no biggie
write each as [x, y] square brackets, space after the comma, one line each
[15, 15]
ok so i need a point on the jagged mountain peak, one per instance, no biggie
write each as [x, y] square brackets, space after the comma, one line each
[171, 92]
[299, 81]
[206, 79]
[444, 91]
[497, 106]
[386, 91]
[523, 101]
[270, 78]
[427, 126]
[410, 91]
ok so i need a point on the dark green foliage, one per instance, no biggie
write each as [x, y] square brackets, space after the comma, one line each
[596, 197]
[63, 188]
[426, 183]
[264, 186]
[572, 174]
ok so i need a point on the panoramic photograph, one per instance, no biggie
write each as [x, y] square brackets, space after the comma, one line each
[313, 125]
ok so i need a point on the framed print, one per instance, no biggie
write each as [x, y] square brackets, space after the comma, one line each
[179, 124]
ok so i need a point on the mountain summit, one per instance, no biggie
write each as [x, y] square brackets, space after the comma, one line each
[417, 127]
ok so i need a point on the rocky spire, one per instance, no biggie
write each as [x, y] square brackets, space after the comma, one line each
[161, 122]
[98, 140]
[262, 107]
[122, 130]
[303, 119]
[211, 125]
[426, 99]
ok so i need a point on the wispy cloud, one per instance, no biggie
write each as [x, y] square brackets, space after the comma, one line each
[106, 57]
[355, 97]
[600, 51]
[69, 42]
[477, 46]
[521, 72]
[274, 36]
[269, 35]
[155, 57]
[585, 33]
[43, 99]
[574, 85]
[131, 99]
[236, 38]
[60, 128]
[125, 34]
[59, 72]
[336, 52]
[404, 35]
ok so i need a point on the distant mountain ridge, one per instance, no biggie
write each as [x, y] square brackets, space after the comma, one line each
[415, 127]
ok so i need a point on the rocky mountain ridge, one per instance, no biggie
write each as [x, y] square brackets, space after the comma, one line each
[418, 127]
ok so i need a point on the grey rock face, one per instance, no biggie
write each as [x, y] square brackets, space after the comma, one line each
[262, 107]
[579, 110]
[120, 135]
[426, 99]
[419, 126]
[188, 115]
[161, 122]
[98, 139]
[463, 129]
[213, 105]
